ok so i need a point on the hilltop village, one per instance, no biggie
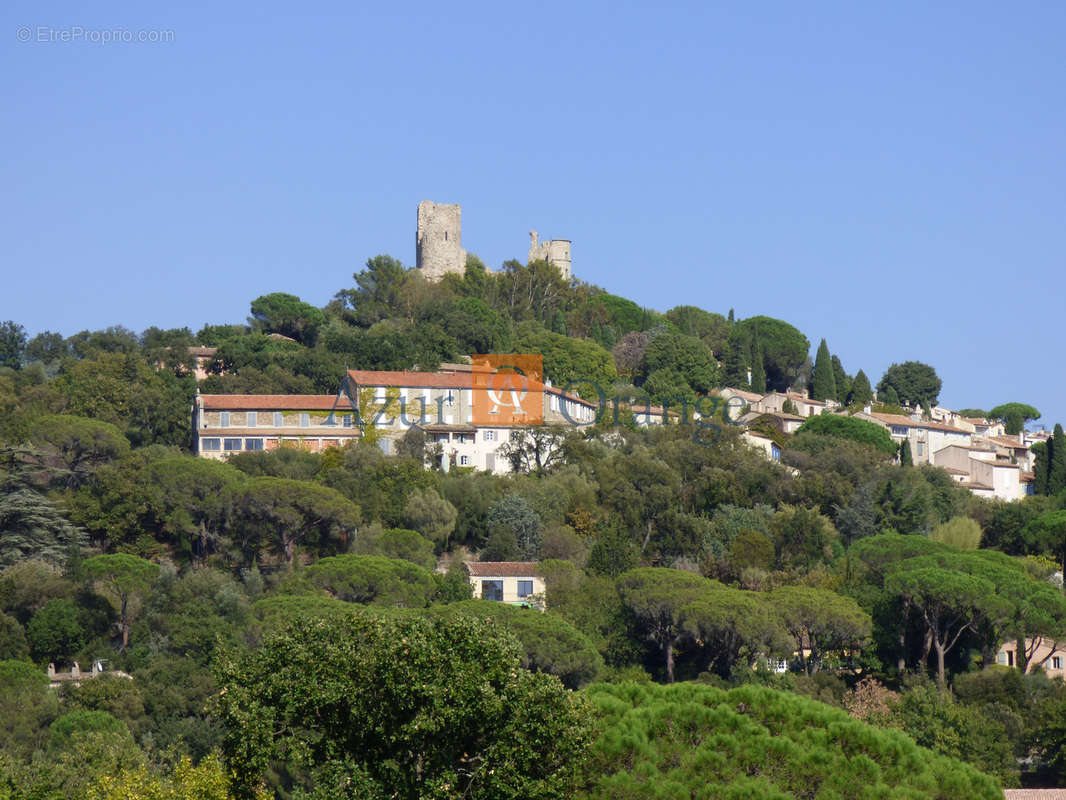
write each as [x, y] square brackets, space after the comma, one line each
[480, 530]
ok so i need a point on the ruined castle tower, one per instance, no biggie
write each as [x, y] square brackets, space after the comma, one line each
[439, 240]
[555, 251]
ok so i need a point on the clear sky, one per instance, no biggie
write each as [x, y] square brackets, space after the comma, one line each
[889, 176]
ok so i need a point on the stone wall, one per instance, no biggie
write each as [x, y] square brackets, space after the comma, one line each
[439, 240]
[555, 251]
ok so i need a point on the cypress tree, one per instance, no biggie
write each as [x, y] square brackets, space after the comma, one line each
[906, 459]
[843, 382]
[890, 398]
[1041, 456]
[758, 370]
[823, 384]
[860, 393]
[1056, 474]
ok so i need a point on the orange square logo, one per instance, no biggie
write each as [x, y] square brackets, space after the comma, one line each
[508, 389]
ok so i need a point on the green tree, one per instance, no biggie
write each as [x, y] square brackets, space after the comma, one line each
[692, 740]
[407, 545]
[1013, 415]
[80, 445]
[371, 579]
[431, 515]
[124, 580]
[376, 296]
[56, 632]
[758, 370]
[889, 396]
[784, 348]
[550, 644]
[358, 706]
[712, 328]
[961, 532]
[189, 501]
[686, 355]
[1047, 534]
[12, 344]
[512, 516]
[857, 430]
[1056, 472]
[861, 394]
[735, 627]
[823, 386]
[149, 406]
[288, 315]
[658, 597]
[906, 458]
[567, 360]
[13, 645]
[841, 380]
[914, 383]
[949, 602]
[32, 527]
[820, 621]
[285, 513]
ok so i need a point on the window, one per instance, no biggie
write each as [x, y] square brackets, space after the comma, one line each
[1056, 662]
[921, 448]
[279, 419]
[305, 420]
[525, 588]
[1001, 659]
[492, 590]
[900, 430]
[210, 444]
[253, 419]
[346, 420]
[490, 436]
[464, 461]
[231, 444]
[253, 444]
[224, 419]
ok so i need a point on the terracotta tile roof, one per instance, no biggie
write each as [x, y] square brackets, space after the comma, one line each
[492, 569]
[975, 420]
[1027, 477]
[753, 397]
[898, 419]
[440, 380]
[272, 402]
[422, 380]
[1003, 464]
[1006, 441]
[976, 485]
[446, 428]
[953, 471]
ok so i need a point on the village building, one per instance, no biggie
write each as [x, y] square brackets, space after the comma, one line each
[512, 582]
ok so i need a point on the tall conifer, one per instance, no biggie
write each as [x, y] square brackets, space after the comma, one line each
[823, 384]
[1056, 474]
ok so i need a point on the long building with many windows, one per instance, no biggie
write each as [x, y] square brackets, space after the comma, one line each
[225, 424]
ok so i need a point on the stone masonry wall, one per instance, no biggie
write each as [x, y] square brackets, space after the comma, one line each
[439, 240]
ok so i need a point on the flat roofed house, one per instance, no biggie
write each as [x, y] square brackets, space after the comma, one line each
[513, 582]
[224, 424]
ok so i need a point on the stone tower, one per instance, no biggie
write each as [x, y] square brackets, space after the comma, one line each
[555, 251]
[439, 240]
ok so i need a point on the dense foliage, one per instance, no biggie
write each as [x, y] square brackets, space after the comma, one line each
[672, 554]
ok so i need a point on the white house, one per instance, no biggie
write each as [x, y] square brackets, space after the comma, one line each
[513, 582]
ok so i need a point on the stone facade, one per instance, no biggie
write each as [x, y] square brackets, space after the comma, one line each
[439, 240]
[555, 251]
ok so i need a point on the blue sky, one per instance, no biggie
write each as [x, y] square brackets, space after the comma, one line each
[889, 176]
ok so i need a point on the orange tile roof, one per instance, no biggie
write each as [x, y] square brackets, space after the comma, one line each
[899, 419]
[272, 402]
[1006, 441]
[509, 569]
[440, 380]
